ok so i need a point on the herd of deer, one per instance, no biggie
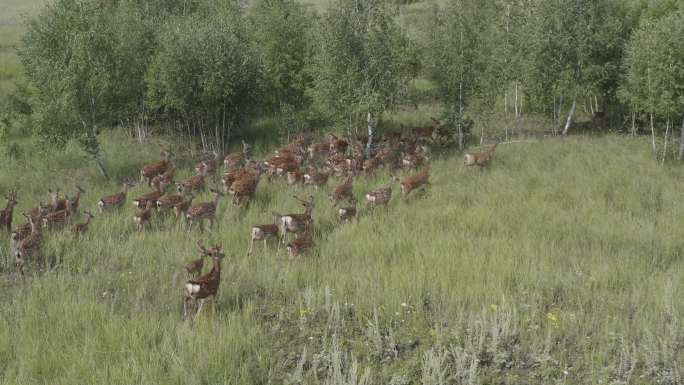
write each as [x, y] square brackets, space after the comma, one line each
[296, 163]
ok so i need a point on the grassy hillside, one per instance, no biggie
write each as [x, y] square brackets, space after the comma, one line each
[562, 263]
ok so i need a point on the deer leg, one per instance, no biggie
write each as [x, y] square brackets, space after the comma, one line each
[251, 244]
[199, 309]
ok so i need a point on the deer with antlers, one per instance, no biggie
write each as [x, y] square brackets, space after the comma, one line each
[481, 159]
[205, 286]
[206, 210]
[7, 213]
[82, 228]
[295, 223]
[209, 165]
[415, 181]
[28, 246]
[194, 268]
[264, 233]
[343, 191]
[151, 170]
[114, 201]
[381, 196]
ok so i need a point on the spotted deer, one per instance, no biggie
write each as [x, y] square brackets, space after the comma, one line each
[381, 196]
[481, 159]
[152, 196]
[142, 216]
[114, 201]
[302, 244]
[209, 165]
[315, 178]
[27, 247]
[195, 183]
[343, 191]
[415, 181]
[73, 204]
[56, 219]
[264, 233]
[236, 160]
[181, 209]
[82, 228]
[295, 223]
[206, 210]
[205, 286]
[151, 170]
[194, 268]
[7, 214]
[347, 213]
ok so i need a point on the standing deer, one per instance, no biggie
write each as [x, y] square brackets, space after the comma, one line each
[264, 233]
[295, 223]
[205, 286]
[82, 228]
[206, 210]
[481, 159]
[381, 196]
[28, 246]
[114, 201]
[149, 171]
[7, 213]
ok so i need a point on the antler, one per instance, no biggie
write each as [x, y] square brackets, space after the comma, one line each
[203, 249]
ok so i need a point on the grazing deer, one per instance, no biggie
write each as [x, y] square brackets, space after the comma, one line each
[301, 244]
[206, 285]
[28, 246]
[206, 210]
[481, 159]
[82, 228]
[264, 233]
[181, 209]
[347, 213]
[74, 203]
[142, 216]
[415, 181]
[295, 223]
[8, 212]
[149, 171]
[343, 191]
[194, 268]
[194, 183]
[114, 201]
[381, 196]
[315, 178]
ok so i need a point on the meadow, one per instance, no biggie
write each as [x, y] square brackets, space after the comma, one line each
[559, 264]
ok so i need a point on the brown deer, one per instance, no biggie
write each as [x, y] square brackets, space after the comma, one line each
[194, 268]
[74, 203]
[295, 223]
[168, 201]
[28, 246]
[55, 202]
[415, 181]
[82, 228]
[315, 178]
[56, 219]
[152, 196]
[236, 160]
[7, 214]
[481, 159]
[181, 209]
[206, 285]
[142, 216]
[206, 210]
[114, 201]
[209, 165]
[381, 196]
[337, 145]
[149, 171]
[264, 233]
[347, 213]
[343, 191]
[194, 183]
[301, 244]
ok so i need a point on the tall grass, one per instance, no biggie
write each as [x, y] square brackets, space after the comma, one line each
[560, 263]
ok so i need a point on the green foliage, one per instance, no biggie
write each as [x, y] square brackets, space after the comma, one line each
[363, 62]
[654, 63]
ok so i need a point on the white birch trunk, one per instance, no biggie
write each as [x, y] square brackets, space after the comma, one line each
[571, 114]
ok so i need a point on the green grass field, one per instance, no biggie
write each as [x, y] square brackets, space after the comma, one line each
[560, 264]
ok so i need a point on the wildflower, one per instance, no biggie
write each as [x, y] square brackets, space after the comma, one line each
[493, 307]
[553, 319]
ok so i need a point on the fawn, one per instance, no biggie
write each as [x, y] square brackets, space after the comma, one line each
[206, 285]
[381, 196]
[206, 210]
[82, 228]
[28, 246]
[301, 244]
[114, 201]
[7, 213]
[295, 223]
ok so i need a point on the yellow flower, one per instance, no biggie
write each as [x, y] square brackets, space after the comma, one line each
[553, 319]
[493, 307]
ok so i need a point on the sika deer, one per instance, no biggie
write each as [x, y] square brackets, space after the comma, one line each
[142, 216]
[181, 209]
[315, 178]
[236, 160]
[82, 228]
[301, 244]
[209, 165]
[194, 268]
[27, 247]
[204, 286]
[381, 196]
[168, 201]
[341, 192]
[264, 233]
[481, 159]
[7, 214]
[295, 223]
[206, 210]
[415, 181]
[55, 203]
[114, 201]
[295, 177]
[347, 213]
[149, 171]
[195, 183]
[56, 219]
[158, 190]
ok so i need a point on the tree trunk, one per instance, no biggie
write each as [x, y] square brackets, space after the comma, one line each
[516, 100]
[634, 124]
[370, 135]
[667, 134]
[681, 142]
[655, 153]
[571, 114]
[99, 161]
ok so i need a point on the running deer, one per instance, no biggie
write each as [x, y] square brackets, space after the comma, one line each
[205, 286]
[7, 214]
[347, 213]
[27, 247]
[142, 216]
[343, 191]
[295, 223]
[194, 183]
[194, 268]
[481, 159]
[114, 201]
[206, 210]
[149, 171]
[381, 196]
[264, 233]
[82, 228]
[415, 181]
[301, 244]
